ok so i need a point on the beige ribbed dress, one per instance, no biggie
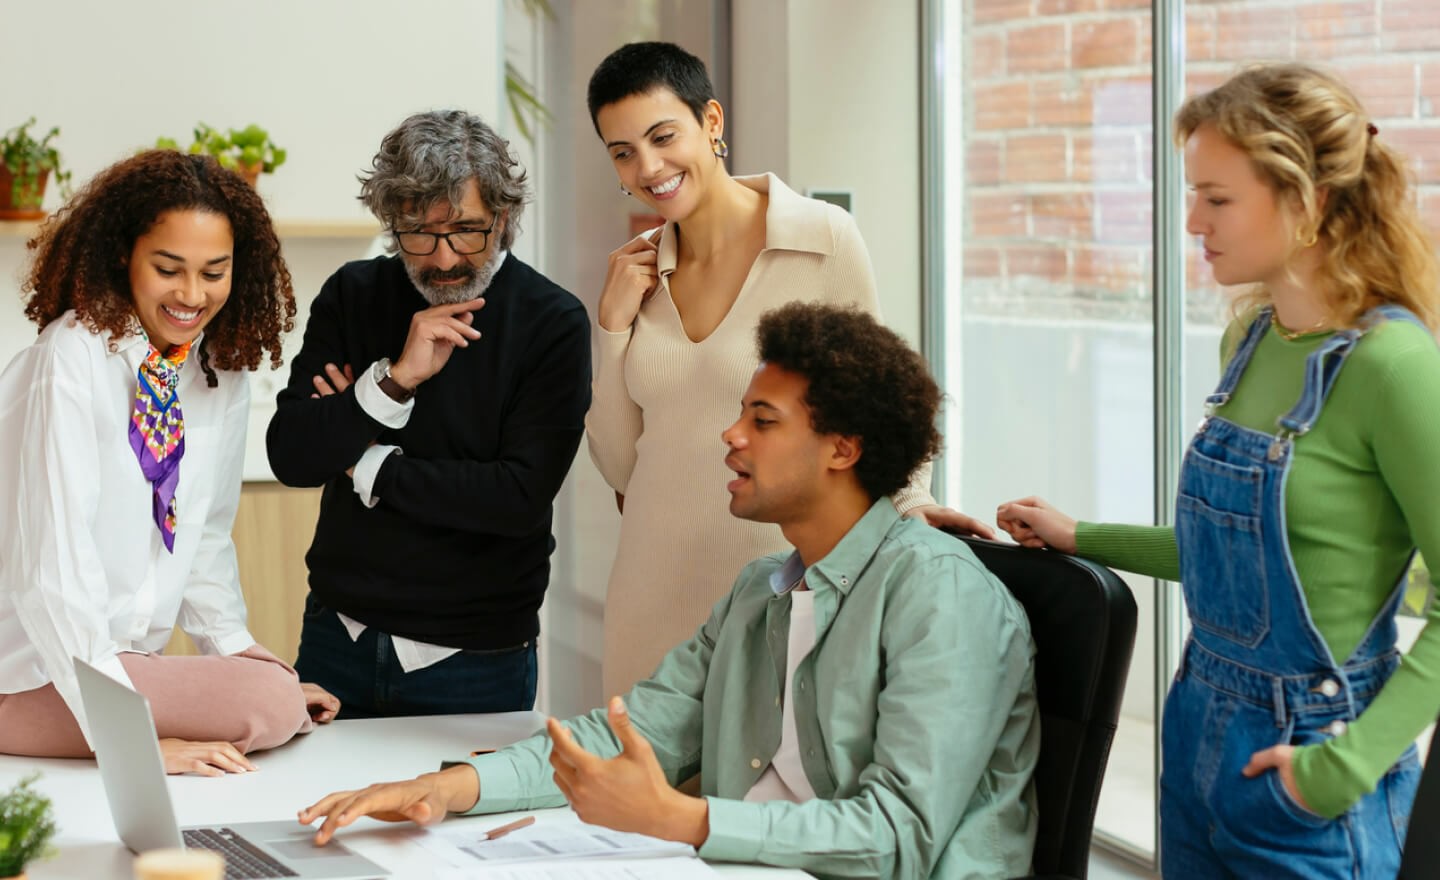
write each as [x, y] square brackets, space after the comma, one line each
[660, 403]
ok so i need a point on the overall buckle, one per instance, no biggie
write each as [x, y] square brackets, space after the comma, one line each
[1280, 445]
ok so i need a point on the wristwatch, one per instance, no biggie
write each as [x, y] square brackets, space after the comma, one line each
[393, 390]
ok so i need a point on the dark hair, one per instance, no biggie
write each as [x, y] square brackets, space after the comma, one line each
[81, 255]
[432, 157]
[865, 382]
[637, 68]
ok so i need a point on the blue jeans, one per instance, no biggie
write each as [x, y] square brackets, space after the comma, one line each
[367, 678]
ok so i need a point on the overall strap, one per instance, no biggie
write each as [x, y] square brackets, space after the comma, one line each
[1323, 365]
[1391, 312]
[1236, 367]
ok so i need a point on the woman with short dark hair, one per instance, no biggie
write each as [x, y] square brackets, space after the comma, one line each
[676, 345]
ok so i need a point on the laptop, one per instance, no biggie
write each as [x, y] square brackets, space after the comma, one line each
[128, 751]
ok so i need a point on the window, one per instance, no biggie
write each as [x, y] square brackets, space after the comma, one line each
[1040, 249]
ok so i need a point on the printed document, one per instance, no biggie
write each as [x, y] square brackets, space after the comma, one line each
[463, 844]
[605, 869]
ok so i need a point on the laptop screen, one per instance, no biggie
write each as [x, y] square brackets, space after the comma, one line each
[128, 752]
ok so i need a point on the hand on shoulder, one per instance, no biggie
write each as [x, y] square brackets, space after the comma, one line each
[952, 521]
[1034, 522]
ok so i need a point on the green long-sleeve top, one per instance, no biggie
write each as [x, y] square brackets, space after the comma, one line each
[1361, 495]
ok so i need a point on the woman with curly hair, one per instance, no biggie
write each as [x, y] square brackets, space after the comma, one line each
[124, 467]
[1289, 729]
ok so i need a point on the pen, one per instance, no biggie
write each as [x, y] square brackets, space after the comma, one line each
[507, 828]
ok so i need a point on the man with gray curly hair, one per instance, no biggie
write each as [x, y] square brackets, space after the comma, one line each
[439, 398]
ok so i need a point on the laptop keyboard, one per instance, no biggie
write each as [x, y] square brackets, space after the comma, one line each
[243, 859]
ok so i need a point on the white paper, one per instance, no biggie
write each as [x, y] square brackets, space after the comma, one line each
[608, 869]
[463, 845]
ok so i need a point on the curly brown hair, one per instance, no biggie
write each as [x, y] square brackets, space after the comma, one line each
[81, 254]
[864, 382]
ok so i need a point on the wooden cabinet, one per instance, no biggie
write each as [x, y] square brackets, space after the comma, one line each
[273, 528]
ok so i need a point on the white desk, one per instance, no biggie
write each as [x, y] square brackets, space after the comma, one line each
[342, 755]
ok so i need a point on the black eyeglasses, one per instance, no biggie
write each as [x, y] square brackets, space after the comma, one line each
[463, 241]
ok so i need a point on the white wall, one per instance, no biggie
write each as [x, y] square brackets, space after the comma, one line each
[586, 217]
[758, 127]
[328, 78]
[827, 95]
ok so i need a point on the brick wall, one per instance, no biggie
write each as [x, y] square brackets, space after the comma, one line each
[1058, 132]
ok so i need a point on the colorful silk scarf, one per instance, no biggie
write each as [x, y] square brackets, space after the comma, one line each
[157, 432]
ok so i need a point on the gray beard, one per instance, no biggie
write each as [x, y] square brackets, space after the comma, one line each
[443, 294]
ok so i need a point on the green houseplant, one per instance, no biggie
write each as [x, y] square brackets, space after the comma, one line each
[247, 151]
[25, 166]
[26, 827]
[526, 108]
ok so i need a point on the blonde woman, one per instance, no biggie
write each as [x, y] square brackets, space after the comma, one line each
[1288, 730]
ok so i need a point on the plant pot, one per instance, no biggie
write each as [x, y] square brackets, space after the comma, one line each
[30, 198]
[251, 173]
[21, 875]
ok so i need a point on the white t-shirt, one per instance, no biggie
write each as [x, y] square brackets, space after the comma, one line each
[784, 779]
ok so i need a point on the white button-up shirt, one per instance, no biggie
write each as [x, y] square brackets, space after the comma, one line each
[83, 570]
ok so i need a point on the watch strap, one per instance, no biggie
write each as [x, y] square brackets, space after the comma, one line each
[393, 390]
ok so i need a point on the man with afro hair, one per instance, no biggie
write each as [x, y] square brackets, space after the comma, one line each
[863, 706]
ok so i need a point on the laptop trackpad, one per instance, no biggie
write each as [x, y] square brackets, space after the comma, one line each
[291, 841]
[302, 847]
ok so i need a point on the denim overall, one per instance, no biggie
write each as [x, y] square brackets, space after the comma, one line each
[1255, 671]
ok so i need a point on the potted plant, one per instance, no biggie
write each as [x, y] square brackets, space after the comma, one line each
[26, 826]
[27, 165]
[247, 151]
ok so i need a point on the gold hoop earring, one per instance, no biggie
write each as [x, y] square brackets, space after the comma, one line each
[1310, 241]
[720, 148]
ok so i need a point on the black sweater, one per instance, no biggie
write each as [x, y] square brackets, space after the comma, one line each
[457, 551]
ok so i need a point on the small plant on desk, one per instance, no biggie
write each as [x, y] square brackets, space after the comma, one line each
[26, 826]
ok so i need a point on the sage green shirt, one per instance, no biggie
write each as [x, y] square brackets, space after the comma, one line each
[915, 713]
[1363, 492]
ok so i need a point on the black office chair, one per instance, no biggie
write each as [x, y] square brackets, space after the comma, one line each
[1421, 859]
[1082, 616]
